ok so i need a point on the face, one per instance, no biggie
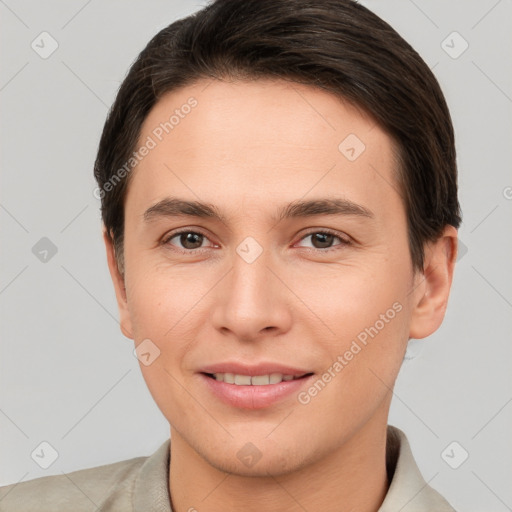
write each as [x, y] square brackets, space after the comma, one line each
[293, 263]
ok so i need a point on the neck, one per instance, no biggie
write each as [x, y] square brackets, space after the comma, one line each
[352, 477]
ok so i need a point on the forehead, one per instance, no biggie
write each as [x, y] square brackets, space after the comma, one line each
[275, 140]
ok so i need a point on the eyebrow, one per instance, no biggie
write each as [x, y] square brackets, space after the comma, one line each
[175, 207]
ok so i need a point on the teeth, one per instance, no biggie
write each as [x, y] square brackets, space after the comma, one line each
[261, 380]
[257, 380]
[242, 380]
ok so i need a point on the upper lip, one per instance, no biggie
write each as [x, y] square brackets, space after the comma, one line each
[253, 369]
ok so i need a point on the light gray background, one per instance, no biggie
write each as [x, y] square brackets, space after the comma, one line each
[69, 377]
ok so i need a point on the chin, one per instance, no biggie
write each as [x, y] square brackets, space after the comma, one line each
[260, 459]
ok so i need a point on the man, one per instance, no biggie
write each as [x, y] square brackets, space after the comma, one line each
[279, 198]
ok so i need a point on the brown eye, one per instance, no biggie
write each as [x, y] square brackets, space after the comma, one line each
[186, 240]
[191, 240]
[323, 240]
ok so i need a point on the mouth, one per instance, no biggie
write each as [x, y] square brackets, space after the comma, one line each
[254, 380]
[257, 391]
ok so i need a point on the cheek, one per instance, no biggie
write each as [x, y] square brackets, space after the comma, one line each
[363, 311]
[361, 361]
[165, 306]
[164, 309]
[345, 299]
[156, 299]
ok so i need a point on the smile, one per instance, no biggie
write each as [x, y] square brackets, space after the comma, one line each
[254, 391]
[255, 380]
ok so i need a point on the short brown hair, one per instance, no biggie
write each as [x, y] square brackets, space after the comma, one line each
[337, 45]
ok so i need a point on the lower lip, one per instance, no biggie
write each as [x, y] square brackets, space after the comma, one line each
[254, 397]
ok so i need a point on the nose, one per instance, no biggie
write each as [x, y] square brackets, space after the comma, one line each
[251, 301]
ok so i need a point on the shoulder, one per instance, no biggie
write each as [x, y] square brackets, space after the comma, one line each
[408, 490]
[82, 490]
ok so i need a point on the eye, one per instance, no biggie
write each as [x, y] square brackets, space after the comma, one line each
[324, 240]
[188, 240]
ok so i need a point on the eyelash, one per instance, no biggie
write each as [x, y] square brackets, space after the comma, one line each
[343, 241]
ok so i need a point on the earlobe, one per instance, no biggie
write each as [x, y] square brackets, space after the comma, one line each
[432, 286]
[119, 287]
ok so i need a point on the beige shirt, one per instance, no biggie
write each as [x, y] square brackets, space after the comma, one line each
[141, 485]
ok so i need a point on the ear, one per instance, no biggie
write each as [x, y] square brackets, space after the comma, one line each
[432, 286]
[119, 287]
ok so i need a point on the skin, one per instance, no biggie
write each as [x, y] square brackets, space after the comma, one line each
[249, 148]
